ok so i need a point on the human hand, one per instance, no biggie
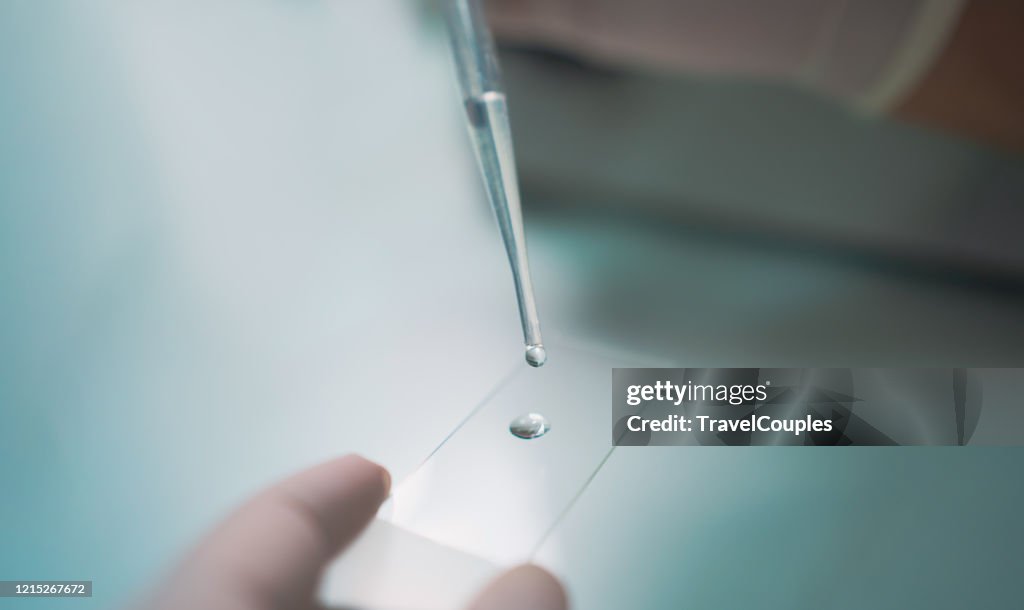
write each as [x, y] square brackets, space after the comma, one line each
[270, 554]
[952, 65]
[776, 40]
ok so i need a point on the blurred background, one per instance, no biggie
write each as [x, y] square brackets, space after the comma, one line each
[240, 238]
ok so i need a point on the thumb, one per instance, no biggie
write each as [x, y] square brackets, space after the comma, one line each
[526, 587]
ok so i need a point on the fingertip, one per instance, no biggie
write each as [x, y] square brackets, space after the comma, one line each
[524, 586]
[342, 495]
[370, 474]
[386, 477]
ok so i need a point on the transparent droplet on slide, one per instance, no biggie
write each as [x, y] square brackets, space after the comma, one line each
[531, 425]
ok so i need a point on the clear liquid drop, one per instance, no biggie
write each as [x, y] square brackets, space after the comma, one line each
[531, 425]
[536, 355]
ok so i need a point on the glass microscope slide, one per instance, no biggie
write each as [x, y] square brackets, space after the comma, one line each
[485, 498]
[494, 494]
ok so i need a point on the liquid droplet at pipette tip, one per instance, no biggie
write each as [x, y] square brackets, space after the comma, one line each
[536, 355]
